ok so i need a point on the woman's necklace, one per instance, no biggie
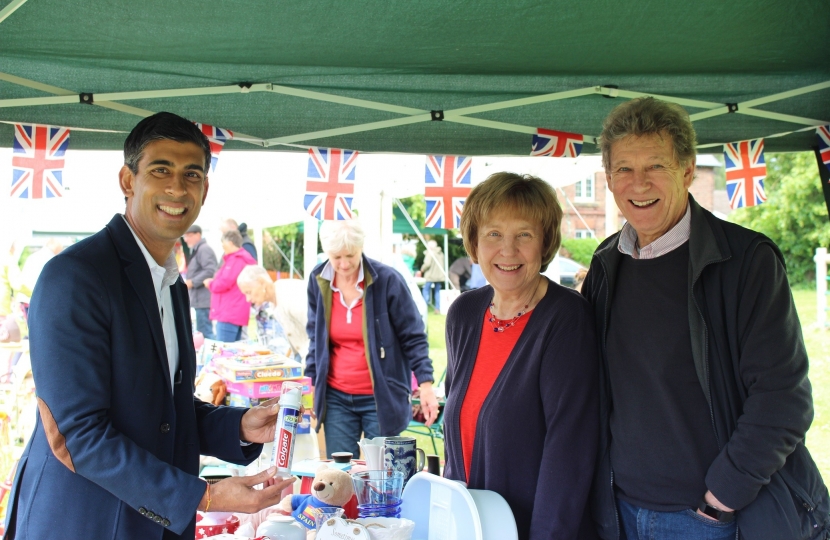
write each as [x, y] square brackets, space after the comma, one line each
[500, 325]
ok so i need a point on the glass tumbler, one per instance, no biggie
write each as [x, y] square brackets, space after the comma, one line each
[378, 493]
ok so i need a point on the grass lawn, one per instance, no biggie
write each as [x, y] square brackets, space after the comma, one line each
[818, 348]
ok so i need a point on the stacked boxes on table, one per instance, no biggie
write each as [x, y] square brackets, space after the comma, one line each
[253, 376]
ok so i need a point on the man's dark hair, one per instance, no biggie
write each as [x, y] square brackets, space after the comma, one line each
[163, 125]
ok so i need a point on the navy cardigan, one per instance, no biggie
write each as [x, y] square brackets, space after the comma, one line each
[536, 437]
[394, 337]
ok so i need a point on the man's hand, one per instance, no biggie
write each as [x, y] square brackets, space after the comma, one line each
[189, 283]
[237, 494]
[258, 424]
[429, 404]
[711, 500]
[207, 283]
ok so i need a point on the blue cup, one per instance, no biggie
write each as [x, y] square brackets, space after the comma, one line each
[402, 454]
[378, 493]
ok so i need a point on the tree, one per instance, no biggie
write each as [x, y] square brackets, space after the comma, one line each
[794, 215]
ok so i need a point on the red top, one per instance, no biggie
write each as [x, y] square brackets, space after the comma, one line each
[348, 368]
[493, 350]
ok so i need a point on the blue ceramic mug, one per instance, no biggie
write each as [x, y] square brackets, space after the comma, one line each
[402, 454]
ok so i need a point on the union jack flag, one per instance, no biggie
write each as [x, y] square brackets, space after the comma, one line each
[37, 161]
[549, 142]
[330, 183]
[745, 173]
[823, 133]
[217, 137]
[447, 182]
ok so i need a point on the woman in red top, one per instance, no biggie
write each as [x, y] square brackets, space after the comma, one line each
[522, 413]
[365, 341]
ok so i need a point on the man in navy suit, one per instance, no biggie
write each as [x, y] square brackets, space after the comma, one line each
[115, 451]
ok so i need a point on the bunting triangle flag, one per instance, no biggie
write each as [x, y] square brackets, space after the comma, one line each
[823, 134]
[447, 182]
[745, 173]
[549, 142]
[217, 138]
[330, 183]
[37, 161]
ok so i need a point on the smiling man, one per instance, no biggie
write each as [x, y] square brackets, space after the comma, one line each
[705, 395]
[115, 451]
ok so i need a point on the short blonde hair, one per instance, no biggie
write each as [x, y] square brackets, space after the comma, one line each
[342, 235]
[649, 116]
[527, 196]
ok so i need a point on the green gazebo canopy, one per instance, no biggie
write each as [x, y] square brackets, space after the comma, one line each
[367, 74]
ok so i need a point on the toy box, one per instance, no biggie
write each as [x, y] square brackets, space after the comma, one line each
[235, 369]
[264, 389]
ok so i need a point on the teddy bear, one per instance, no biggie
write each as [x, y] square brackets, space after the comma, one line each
[210, 388]
[331, 487]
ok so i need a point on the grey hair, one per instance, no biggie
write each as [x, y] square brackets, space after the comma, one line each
[344, 235]
[649, 116]
[253, 274]
[233, 237]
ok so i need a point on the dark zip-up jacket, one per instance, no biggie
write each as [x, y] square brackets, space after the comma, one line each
[752, 365]
[394, 337]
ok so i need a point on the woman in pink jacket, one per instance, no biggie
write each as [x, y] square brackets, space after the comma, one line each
[228, 306]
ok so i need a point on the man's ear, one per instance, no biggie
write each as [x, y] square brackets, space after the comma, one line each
[126, 179]
[207, 185]
[689, 173]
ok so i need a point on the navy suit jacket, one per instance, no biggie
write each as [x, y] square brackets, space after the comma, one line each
[115, 450]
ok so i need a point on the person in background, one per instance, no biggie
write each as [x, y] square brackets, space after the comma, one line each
[705, 395]
[228, 306]
[247, 244]
[10, 278]
[433, 271]
[460, 273]
[33, 267]
[202, 266]
[9, 283]
[281, 310]
[115, 450]
[476, 277]
[521, 417]
[366, 338]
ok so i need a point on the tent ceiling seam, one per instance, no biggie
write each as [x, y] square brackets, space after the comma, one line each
[6, 12]
[411, 115]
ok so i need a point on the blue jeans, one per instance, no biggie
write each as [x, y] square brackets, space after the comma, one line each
[203, 323]
[432, 289]
[347, 416]
[642, 524]
[227, 332]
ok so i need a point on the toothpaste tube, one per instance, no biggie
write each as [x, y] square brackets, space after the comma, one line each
[286, 430]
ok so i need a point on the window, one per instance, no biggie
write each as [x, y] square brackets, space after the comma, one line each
[584, 190]
[584, 233]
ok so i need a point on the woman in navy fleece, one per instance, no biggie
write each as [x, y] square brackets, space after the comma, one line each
[522, 407]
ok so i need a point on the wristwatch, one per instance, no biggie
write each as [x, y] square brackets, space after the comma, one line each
[721, 515]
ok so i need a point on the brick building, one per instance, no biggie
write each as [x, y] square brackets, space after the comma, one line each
[584, 209]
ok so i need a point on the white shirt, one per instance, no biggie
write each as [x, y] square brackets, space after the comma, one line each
[163, 278]
[328, 274]
[670, 241]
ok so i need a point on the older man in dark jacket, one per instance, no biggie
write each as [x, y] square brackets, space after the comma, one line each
[202, 266]
[705, 394]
